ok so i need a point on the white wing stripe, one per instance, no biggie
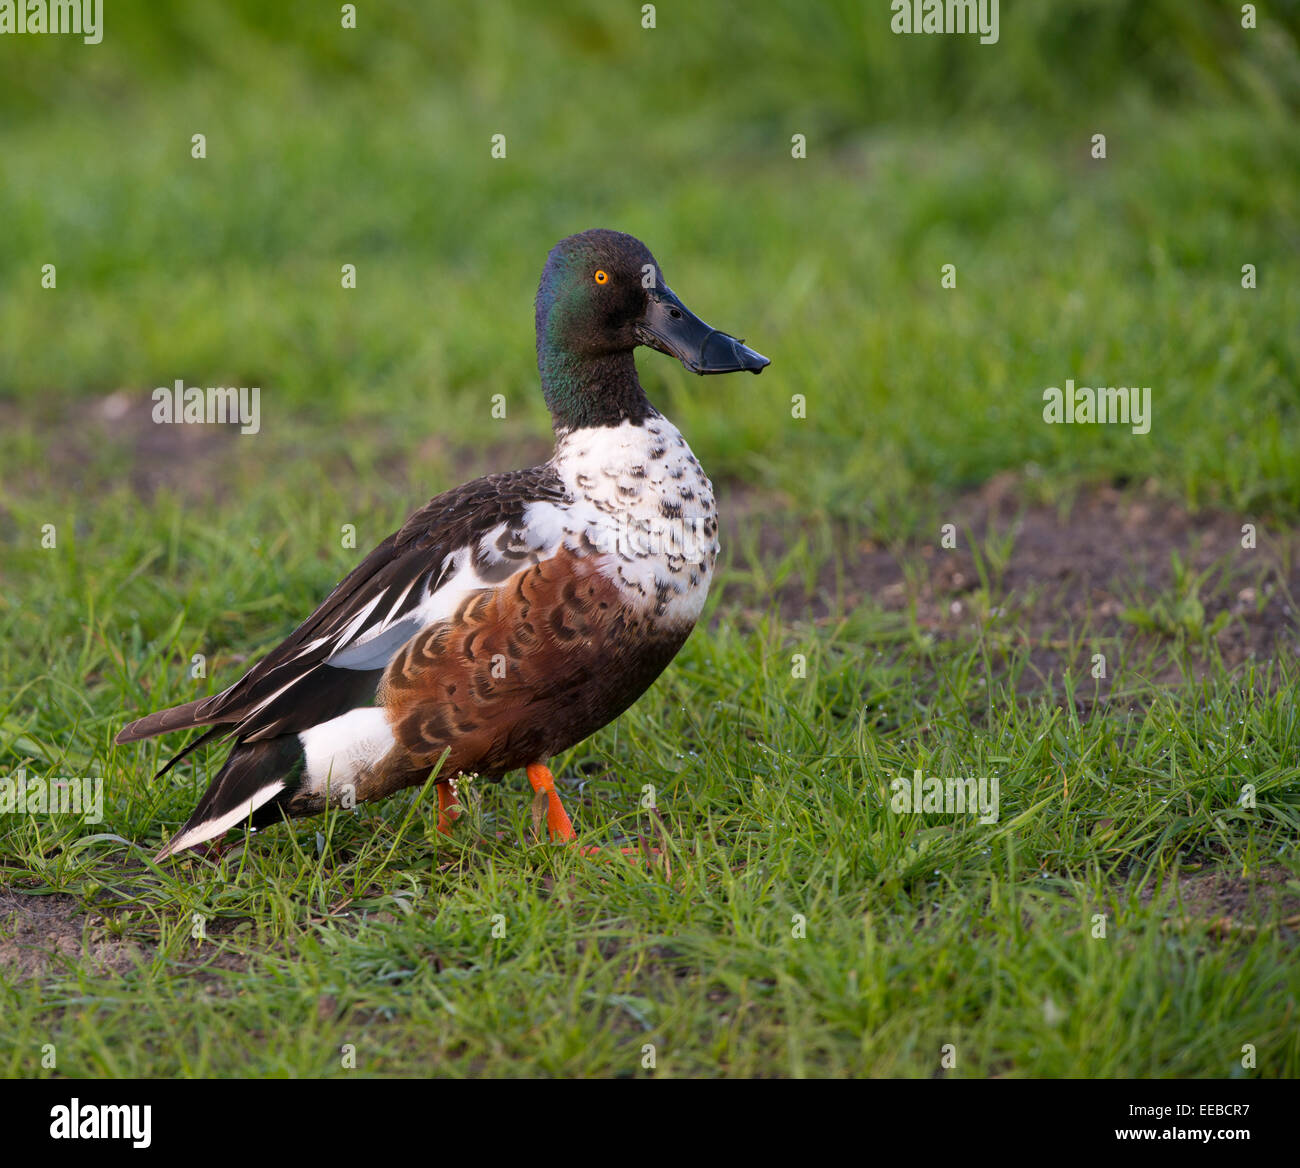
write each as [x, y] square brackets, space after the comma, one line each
[357, 621]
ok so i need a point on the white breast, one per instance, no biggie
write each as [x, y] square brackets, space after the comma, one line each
[642, 498]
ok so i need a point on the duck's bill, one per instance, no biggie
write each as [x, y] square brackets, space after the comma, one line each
[672, 328]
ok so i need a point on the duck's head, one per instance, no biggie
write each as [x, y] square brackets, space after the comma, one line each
[602, 294]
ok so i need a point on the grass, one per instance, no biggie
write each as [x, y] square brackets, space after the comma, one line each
[801, 926]
[1121, 271]
[773, 791]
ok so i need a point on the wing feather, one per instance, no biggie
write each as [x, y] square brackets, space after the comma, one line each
[338, 653]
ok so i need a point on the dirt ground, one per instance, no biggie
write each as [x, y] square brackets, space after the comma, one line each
[40, 934]
[43, 935]
[1237, 906]
[1104, 567]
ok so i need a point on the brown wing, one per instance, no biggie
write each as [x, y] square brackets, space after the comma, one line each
[525, 670]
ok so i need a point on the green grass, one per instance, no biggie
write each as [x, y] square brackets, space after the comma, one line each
[772, 789]
[1128, 270]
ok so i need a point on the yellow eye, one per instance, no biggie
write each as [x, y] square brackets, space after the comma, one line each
[602, 276]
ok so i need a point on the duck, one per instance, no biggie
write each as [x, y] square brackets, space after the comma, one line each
[509, 618]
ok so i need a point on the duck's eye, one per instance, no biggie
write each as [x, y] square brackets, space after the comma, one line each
[602, 276]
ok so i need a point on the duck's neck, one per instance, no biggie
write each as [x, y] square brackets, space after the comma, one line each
[587, 390]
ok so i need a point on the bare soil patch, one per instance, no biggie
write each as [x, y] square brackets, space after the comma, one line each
[41, 935]
[1104, 567]
[44, 935]
[1238, 904]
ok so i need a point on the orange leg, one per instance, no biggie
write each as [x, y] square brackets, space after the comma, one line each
[557, 819]
[448, 808]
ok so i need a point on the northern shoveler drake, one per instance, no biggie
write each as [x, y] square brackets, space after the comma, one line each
[511, 617]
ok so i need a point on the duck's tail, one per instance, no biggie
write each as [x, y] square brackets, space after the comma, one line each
[255, 774]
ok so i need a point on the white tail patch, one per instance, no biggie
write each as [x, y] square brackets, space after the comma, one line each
[341, 750]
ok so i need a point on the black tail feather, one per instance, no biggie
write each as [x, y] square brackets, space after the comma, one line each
[255, 775]
[201, 740]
